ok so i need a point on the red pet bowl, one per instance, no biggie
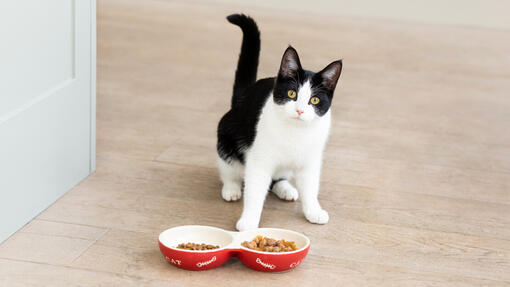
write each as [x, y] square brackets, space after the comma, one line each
[230, 245]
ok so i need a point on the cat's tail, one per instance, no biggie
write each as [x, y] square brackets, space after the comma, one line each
[246, 73]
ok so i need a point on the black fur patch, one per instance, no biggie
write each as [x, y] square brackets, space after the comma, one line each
[236, 130]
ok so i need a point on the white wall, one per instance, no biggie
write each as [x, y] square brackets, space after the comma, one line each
[476, 13]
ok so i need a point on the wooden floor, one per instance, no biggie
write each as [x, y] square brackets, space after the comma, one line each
[416, 174]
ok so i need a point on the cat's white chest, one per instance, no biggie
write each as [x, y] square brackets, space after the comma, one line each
[289, 142]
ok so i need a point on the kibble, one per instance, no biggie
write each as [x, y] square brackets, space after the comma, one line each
[266, 244]
[197, 246]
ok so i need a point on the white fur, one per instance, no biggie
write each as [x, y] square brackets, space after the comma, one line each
[231, 174]
[285, 145]
[284, 190]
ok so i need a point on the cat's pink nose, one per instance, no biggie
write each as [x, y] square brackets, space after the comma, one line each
[299, 112]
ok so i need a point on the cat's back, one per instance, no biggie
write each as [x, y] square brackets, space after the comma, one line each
[254, 97]
[237, 128]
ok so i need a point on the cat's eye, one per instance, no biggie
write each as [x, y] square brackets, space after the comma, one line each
[314, 100]
[291, 93]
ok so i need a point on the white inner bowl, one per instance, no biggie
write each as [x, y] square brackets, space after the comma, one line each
[195, 234]
[227, 239]
[299, 239]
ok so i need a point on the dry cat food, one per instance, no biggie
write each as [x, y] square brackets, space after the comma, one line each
[266, 244]
[197, 246]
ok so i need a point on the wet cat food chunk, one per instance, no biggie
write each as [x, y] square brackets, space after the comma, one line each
[266, 244]
[197, 246]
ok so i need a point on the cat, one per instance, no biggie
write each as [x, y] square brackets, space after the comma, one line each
[275, 130]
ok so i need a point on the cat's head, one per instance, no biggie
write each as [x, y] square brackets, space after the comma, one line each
[301, 94]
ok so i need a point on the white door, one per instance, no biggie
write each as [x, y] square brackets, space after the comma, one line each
[47, 104]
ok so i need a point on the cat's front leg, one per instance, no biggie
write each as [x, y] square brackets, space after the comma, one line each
[307, 183]
[257, 179]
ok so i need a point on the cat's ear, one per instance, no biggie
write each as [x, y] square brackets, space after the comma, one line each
[290, 65]
[330, 74]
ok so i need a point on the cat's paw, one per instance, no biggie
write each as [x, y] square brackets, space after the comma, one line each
[246, 224]
[231, 192]
[284, 190]
[318, 216]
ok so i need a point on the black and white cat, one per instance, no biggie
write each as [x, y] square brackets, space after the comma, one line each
[276, 130]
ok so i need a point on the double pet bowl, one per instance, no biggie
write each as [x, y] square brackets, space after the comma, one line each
[230, 245]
